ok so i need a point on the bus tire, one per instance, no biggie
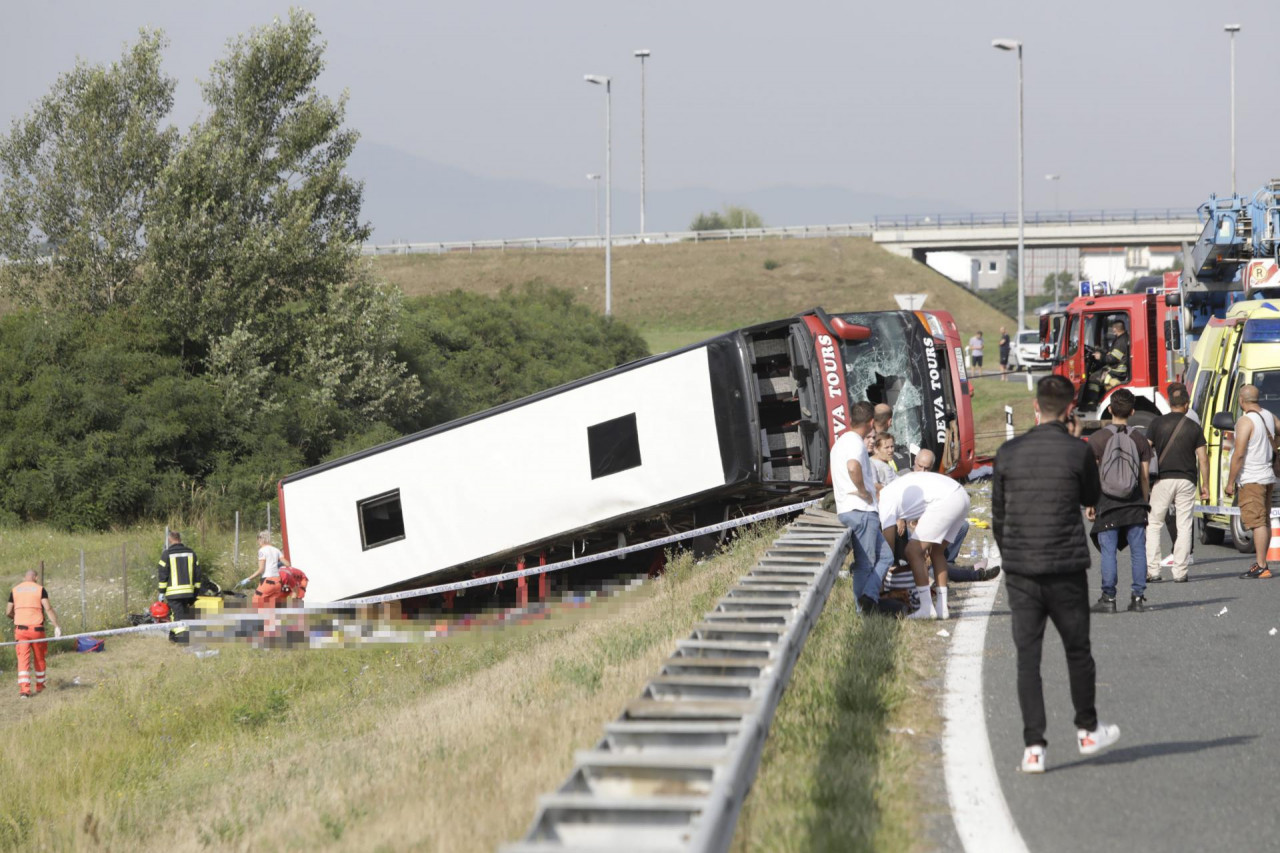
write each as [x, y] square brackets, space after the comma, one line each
[1241, 538]
[1210, 535]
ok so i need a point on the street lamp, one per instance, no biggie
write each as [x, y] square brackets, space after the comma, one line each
[642, 55]
[1013, 44]
[608, 188]
[1231, 30]
[596, 193]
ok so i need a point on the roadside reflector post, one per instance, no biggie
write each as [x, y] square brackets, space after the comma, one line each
[124, 575]
[1008, 420]
[542, 578]
[522, 586]
[1030, 385]
[83, 616]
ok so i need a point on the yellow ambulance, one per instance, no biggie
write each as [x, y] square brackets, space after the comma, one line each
[1241, 348]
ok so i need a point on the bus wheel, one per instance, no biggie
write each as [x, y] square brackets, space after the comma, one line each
[1210, 535]
[1241, 538]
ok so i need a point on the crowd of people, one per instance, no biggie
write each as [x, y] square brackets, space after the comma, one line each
[906, 518]
[1128, 483]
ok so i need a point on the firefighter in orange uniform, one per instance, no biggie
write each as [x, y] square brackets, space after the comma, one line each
[28, 604]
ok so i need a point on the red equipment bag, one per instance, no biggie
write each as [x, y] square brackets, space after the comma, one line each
[294, 582]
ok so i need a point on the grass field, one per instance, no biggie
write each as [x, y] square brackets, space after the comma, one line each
[839, 770]
[680, 293]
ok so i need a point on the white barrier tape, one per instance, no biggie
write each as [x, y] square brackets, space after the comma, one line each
[449, 587]
[568, 564]
[1225, 510]
[111, 632]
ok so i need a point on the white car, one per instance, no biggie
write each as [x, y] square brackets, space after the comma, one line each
[1025, 354]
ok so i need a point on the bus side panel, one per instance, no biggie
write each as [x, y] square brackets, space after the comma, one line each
[526, 474]
[733, 401]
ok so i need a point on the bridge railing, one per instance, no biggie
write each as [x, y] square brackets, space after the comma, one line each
[853, 229]
[1039, 217]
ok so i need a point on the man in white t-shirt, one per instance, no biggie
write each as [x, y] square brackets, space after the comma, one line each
[936, 507]
[270, 559]
[853, 482]
[1251, 470]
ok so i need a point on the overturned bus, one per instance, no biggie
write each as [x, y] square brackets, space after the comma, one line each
[741, 422]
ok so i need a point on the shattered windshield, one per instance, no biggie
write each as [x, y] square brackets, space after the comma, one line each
[892, 367]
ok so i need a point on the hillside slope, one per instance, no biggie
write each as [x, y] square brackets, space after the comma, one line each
[678, 293]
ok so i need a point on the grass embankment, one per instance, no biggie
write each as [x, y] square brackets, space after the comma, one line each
[990, 396]
[839, 768]
[680, 293]
[434, 747]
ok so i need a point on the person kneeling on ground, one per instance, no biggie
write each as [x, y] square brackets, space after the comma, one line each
[1120, 518]
[937, 505]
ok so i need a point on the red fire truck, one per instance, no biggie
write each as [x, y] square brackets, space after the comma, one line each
[1084, 329]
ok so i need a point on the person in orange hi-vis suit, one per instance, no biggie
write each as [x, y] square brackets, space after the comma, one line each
[28, 604]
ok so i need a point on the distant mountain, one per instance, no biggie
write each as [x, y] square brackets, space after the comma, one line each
[411, 199]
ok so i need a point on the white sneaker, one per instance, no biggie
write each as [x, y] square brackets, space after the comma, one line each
[1167, 562]
[1032, 760]
[1091, 743]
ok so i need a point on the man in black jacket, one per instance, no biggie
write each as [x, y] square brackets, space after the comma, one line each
[179, 578]
[1040, 482]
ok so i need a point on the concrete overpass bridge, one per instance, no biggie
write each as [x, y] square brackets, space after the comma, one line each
[917, 236]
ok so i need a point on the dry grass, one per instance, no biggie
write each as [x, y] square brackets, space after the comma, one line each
[835, 775]
[686, 291]
[438, 747]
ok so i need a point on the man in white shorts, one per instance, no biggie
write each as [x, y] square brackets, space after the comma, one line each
[934, 507]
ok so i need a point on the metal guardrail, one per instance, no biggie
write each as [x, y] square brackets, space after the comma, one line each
[672, 771]
[857, 229]
[852, 229]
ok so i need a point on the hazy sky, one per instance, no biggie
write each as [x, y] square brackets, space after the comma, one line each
[1128, 101]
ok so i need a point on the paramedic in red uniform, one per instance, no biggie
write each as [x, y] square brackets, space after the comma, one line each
[28, 604]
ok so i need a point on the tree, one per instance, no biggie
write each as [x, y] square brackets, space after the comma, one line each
[733, 216]
[742, 217]
[76, 180]
[253, 243]
[711, 221]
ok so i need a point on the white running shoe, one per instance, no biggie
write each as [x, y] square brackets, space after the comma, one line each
[1032, 760]
[1167, 562]
[1091, 743]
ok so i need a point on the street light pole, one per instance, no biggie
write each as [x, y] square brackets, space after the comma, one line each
[596, 193]
[608, 188]
[1013, 44]
[642, 55]
[1053, 179]
[1231, 30]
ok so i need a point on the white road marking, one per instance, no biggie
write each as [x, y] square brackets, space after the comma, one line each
[978, 806]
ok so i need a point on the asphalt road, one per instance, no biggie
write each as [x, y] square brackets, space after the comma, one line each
[1194, 691]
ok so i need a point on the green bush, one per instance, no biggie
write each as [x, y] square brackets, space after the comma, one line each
[771, 264]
